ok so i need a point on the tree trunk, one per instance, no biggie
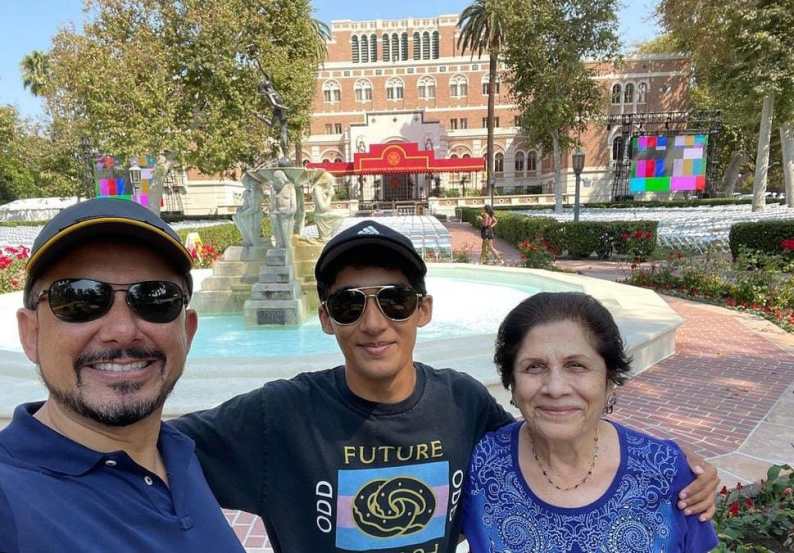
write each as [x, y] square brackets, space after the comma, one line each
[731, 175]
[762, 157]
[787, 145]
[557, 158]
[491, 109]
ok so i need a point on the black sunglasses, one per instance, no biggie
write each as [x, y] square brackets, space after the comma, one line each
[397, 303]
[79, 300]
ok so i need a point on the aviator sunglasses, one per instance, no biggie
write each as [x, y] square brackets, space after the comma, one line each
[397, 303]
[80, 300]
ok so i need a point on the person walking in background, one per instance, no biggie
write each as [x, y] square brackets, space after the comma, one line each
[488, 222]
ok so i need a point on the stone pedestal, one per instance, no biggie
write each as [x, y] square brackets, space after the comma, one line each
[230, 284]
[276, 297]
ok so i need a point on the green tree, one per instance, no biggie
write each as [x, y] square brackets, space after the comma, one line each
[152, 76]
[743, 52]
[552, 84]
[35, 72]
[482, 30]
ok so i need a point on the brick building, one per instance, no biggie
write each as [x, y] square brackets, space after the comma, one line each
[397, 81]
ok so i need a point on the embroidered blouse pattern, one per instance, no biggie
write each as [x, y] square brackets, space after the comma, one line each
[635, 514]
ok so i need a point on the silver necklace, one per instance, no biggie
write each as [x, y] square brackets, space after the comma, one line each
[548, 478]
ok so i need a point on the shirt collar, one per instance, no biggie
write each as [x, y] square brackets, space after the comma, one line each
[34, 443]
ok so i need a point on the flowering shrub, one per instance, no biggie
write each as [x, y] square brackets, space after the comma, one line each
[12, 268]
[537, 253]
[755, 282]
[204, 255]
[787, 246]
[763, 523]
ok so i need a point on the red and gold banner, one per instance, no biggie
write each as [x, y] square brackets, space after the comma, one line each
[403, 157]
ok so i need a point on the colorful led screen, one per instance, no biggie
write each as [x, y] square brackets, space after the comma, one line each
[112, 178]
[668, 163]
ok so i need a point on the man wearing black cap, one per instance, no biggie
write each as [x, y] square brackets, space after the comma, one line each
[105, 319]
[368, 456]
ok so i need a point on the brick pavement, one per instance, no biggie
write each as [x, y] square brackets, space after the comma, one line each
[711, 395]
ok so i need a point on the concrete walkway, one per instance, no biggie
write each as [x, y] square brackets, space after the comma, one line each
[728, 392]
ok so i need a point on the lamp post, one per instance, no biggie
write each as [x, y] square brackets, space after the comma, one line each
[88, 166]
[578, 166]
[492, 185]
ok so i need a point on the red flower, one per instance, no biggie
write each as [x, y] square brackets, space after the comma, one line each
[787, 245]
[724, 490]
[733, 509]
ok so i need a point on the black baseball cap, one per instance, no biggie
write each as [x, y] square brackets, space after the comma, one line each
[100, 217]
[369, 233]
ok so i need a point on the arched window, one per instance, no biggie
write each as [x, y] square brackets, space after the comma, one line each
[617, 148]
[373, 47]
[331, 92]
[364, 49]
[458, 86]
[519, 162]
[499, 162]
[404, 46]
[395, 47]
[417, 47]
[385, 46]
[427, 88]
[628, 94]
[435, 45]
[425, 45]
[642, 93]
[485, 80]
[394, 89]
[354, 48]
[338, 160]
[363, 90]
[532, 162]
[617, 94]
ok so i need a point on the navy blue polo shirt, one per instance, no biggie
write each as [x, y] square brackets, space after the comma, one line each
[57, 495]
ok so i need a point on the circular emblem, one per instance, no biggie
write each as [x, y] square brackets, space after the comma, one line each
[393, 158]
[396, 507]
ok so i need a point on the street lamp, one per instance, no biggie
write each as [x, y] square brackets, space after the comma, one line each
[88, 165]
[578, 166]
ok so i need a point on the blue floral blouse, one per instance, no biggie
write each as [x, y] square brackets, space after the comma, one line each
[637, 513]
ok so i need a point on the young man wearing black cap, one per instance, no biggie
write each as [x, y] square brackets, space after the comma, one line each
[368, 456]
[105, 320]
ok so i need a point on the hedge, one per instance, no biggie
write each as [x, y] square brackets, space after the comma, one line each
[604, 238]
[222, 236]
[705, 202]
[764, 236]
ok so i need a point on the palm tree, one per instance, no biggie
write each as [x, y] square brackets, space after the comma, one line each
[482, 29]
[35, 72]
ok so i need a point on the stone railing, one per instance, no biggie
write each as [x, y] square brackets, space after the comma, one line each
[447, 206]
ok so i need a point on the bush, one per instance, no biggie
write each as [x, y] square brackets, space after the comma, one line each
[216, 239]
[633, 238]
[762, 522]
[536, 254]
[12, 268]
[771, 237]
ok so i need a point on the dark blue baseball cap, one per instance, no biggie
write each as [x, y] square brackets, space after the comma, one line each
[102, 217]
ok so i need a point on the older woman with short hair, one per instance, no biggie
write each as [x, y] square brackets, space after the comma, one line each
[565, 479]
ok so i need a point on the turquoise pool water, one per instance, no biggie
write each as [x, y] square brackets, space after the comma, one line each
[464, 303]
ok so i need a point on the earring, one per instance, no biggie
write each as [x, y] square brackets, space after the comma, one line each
[611, 401]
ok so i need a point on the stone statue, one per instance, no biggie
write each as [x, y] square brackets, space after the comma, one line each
[326, 219]
[279, 121]
[283, 205]
[361, 146]
[249, 215]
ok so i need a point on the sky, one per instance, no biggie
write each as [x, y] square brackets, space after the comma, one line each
[27, 25]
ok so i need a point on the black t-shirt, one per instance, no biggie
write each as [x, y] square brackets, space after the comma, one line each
[330, 471]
